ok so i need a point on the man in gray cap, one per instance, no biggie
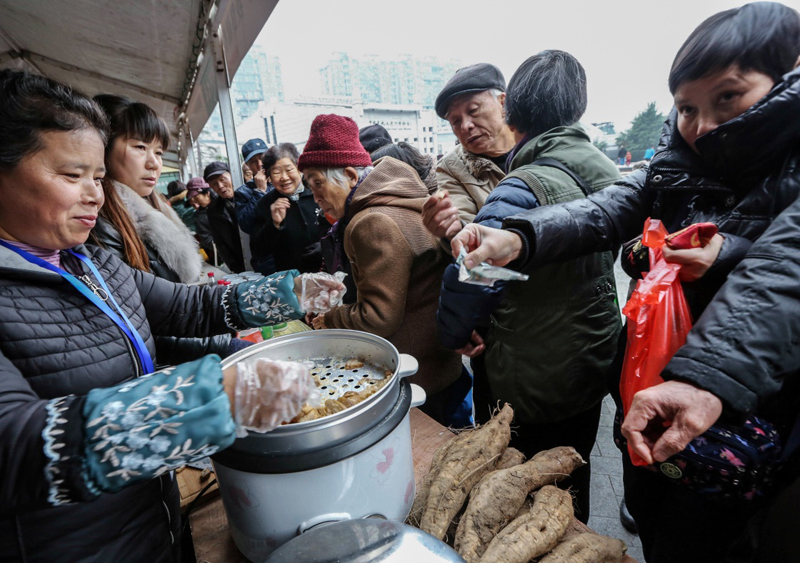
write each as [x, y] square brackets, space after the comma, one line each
[472, 102]
[248, 194]
[247, 197]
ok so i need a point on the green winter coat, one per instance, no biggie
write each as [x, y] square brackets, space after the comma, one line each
[554, 337]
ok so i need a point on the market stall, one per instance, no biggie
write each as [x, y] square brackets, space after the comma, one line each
[209, 523]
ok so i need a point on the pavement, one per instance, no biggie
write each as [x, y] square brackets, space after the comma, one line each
[607, 485]
[607, 465]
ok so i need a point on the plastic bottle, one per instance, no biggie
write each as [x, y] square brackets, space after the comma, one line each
[211, 279]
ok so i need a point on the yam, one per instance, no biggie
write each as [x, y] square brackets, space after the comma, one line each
[587, 548]
[497, 499]
[510, 458]
[461, 468]
[535, 533]
[421, 498]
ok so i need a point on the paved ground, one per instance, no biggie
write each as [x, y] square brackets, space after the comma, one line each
[607, 485]
[607, 466]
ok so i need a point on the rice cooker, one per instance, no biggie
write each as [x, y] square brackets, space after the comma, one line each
[353, 464]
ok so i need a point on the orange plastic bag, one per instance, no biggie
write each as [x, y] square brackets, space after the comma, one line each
[658, 315]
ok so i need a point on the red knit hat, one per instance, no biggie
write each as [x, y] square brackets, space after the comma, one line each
[333, 143]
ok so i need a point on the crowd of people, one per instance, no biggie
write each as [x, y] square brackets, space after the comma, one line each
[111, 351]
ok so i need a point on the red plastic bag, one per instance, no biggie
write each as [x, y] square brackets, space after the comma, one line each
[657, 312]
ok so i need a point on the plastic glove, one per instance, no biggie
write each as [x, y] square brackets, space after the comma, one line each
[320, 292]
[269, 393]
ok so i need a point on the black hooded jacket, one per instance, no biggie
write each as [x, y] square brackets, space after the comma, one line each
[746, 175]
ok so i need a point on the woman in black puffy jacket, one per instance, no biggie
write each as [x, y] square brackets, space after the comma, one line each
[730, 155]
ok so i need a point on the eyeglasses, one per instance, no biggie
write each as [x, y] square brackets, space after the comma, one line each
[277, 173]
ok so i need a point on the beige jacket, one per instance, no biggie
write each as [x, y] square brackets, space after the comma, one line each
[397, 266]
[469, 178]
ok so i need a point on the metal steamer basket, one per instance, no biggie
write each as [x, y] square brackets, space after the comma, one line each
[348, 465]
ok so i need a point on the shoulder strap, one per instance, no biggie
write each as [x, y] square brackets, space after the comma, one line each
[553, 163]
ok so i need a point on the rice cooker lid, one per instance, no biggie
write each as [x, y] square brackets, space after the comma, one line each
[369, 539]
[291, 460]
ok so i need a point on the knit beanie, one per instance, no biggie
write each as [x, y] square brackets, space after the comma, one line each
[333, 143]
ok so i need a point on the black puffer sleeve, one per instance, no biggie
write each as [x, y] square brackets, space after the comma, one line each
[33, 472]
[600, 222]
[171, 350]
[175, 309]
[746, 341]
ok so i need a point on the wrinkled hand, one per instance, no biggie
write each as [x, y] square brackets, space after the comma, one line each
[278, 210]
[318, 322]
[319, 292]
[268, 393]
[485, 244]
[260, 180]
[475, 347]
[688, 410]
[439, 215]
[695, 261]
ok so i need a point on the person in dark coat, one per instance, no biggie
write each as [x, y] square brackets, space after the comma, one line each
[89, 432]
[289, 224]
[730, 155]
[249, 194]
[176, 192]
[222, 216]
[199, 195]
[566, 314]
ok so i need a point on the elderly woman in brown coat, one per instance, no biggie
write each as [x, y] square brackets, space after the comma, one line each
[395, 263]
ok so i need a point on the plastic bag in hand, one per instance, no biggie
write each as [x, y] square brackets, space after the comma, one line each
[321, 292]
[269, 393]
[658, 316]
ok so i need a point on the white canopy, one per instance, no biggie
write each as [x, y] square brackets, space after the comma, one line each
[158, 52]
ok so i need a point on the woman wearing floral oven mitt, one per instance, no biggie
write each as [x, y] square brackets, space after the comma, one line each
[89, 430]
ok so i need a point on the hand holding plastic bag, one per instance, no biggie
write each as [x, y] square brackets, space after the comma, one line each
[320, 292]
[658, 316]
[269, 393]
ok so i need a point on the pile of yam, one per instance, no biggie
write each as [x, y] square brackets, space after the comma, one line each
[492, 506]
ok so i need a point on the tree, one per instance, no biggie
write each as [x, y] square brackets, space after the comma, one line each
[602, 145]
[644, 131]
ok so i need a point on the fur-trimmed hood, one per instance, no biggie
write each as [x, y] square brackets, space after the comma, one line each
[165, 233]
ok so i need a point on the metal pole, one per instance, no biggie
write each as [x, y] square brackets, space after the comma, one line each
[226, 109]
[228, 126]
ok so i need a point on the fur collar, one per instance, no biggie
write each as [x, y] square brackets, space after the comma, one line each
[165, 233]
[476, 165]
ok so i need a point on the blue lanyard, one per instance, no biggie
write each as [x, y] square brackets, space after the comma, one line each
[121, 320]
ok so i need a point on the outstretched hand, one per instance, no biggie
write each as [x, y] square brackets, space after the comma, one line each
[485, 244]
[663, 419]
[440, 216]
[319, 292]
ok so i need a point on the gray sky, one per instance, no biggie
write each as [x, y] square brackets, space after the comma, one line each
[626, 47]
